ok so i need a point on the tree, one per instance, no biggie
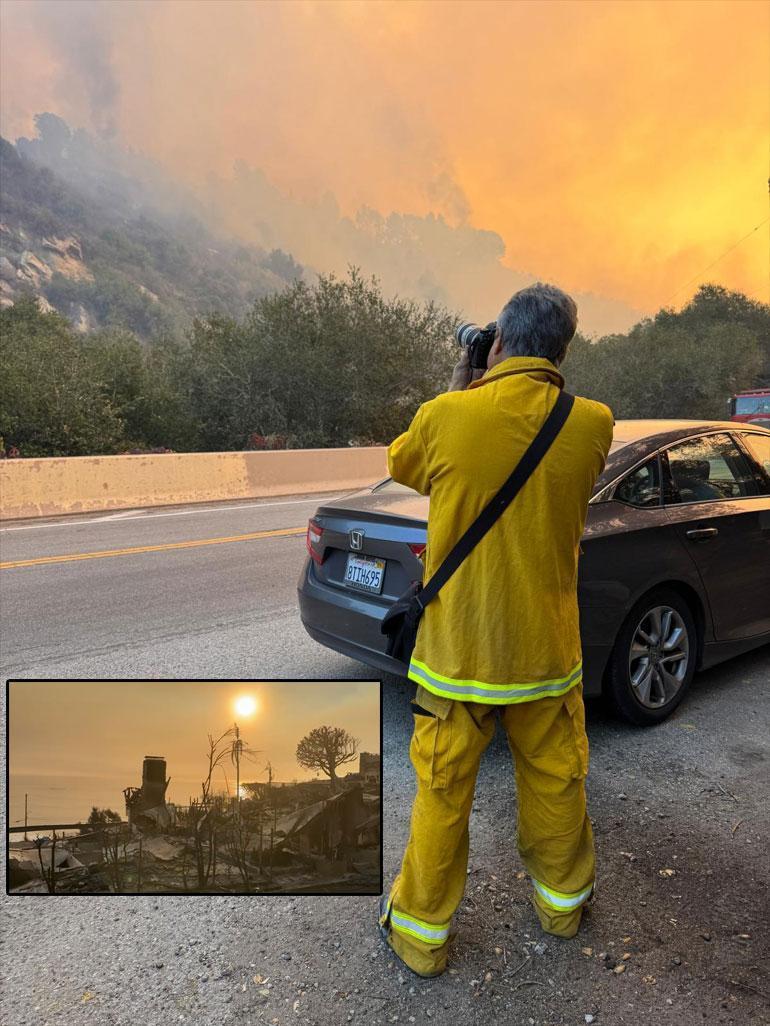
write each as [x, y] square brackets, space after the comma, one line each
[677, 364]
[98, 817]
[207, 817]
[334, 363]
[283, 264]
[50, 402]
[714, 305]
[140, 382]
[65, 394]
[326, 748]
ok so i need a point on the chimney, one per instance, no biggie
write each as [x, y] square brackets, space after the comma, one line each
[154, 781]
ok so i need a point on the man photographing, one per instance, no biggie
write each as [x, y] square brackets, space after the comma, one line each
[502, 636]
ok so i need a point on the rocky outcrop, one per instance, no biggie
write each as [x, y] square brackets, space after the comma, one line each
[7, 270]
[148, 293]
[69, 247]
[31, 270]
[65, 256]
[28, 264]
[80, 318]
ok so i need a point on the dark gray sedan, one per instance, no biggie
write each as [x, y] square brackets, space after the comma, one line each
[674, 572]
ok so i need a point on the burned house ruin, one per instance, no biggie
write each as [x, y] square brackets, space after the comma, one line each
[296, 838]
[369, 769]
[328, 828]
[146, 806]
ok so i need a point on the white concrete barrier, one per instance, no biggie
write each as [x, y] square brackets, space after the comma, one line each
[81, 484]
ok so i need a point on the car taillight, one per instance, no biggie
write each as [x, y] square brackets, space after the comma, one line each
[313, 541]
[417, 548]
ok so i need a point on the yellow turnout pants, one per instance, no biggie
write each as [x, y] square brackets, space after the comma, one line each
[550, 750]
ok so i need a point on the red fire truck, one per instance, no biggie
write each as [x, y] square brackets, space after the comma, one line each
[752, 407]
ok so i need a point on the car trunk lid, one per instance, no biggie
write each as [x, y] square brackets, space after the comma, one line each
[379, 534]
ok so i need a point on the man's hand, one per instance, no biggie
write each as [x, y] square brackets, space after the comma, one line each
[463, 374]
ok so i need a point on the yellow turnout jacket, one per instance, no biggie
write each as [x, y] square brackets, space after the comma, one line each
[505, 627]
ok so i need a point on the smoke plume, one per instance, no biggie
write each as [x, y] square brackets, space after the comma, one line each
[456, 149]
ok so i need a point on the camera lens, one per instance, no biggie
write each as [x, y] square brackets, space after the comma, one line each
[467, 334]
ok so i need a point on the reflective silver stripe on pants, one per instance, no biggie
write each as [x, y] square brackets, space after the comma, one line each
[562, 901]
[429, 934]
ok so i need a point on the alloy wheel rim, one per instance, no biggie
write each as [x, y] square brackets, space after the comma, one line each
[659, 657]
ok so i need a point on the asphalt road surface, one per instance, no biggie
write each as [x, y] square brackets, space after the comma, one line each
[227, 609]
[678, 932]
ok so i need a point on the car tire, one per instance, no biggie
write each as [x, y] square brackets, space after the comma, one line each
[654, 657]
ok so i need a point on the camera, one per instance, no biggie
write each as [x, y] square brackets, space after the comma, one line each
[478, 341]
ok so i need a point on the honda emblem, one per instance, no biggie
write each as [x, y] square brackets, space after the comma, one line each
[356, 540]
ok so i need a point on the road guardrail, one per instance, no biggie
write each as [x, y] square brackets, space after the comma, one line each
[85, 484]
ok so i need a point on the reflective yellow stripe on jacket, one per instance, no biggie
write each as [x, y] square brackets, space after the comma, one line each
[506, 626]
[492, 694]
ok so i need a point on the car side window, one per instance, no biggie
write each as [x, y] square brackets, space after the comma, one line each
[759, 447]
[642, 486]
[708, 469]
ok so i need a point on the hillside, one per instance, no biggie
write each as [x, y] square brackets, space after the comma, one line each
[94, 237]
[108, 248]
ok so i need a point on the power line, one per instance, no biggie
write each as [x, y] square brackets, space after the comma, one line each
[715, 262]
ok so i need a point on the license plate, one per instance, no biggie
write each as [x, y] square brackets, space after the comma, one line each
[364, 574]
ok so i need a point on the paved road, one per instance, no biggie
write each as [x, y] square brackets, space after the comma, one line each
[208, 610]
[690, 797]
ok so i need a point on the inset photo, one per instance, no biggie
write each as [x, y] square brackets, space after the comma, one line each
[194, 787]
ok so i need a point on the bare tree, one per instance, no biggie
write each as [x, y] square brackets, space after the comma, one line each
[326, 748]
[112, 855]
[206, 815]
[237, 845]
[202, 814]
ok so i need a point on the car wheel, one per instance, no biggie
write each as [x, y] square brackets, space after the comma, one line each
[654, 658]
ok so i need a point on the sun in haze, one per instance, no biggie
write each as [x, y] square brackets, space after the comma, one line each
[245, 705]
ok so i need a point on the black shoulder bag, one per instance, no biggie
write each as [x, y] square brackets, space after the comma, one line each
[401, 621]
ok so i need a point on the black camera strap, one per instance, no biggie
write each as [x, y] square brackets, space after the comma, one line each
[494, 509]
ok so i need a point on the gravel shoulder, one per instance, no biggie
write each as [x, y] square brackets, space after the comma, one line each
[677, 933]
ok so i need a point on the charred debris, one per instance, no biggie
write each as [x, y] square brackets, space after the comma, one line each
[307, 837]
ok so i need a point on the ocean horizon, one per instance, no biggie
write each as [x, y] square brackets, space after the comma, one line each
[57, 798]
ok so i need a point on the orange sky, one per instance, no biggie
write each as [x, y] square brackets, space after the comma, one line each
[617, 148]
[104, 730]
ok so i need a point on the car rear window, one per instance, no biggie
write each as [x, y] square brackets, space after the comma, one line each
[759, 446]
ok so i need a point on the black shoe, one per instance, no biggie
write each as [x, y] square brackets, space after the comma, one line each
[382, 908]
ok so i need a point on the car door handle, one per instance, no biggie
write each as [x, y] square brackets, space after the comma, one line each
[702, 533]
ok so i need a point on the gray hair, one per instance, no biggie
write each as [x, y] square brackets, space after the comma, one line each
[538, 321]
